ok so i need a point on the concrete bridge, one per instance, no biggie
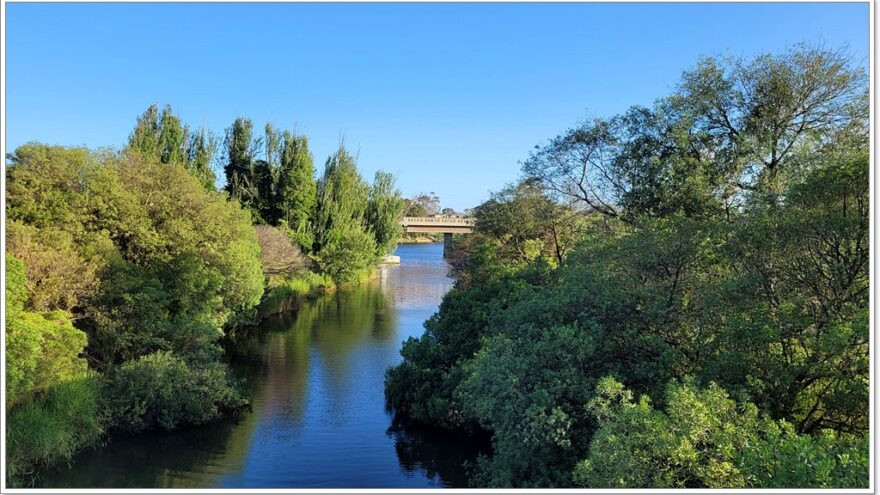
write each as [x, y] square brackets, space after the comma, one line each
[440, 224]
[448, 225]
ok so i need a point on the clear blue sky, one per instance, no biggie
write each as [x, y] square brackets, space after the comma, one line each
[450, 97]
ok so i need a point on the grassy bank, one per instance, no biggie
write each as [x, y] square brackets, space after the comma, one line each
[52, 427]
[288, 293]
[420, 238]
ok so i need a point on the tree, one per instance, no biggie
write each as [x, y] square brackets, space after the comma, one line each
[414, 209]
[145, 137]
[173, 138]
[42, 349]
[239, 169]
[266, 179]
[202, 149]
[296, 187]
[59, 278]
[765, 116]
[429, 201]
[342, 242]
[384, 212]
[733, 129]
[578, 166]
[159, 262]
[342, 198]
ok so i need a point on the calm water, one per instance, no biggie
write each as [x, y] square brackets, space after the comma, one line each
[319, 420]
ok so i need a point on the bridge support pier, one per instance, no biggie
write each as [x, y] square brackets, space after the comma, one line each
[447, 243]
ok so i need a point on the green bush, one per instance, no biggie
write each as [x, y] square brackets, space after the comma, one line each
[42, 349]
[52, 427]
[705, 439]
[349, 256]
[161, 390]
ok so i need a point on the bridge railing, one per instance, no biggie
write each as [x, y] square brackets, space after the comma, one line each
[469, 221]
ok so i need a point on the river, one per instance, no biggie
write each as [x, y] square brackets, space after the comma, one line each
[319, 420]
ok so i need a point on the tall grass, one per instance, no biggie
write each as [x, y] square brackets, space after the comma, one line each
[52, 427]
[288, 293]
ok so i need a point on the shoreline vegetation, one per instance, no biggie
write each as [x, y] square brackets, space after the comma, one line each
[673, 297]
[125, 270]
[419, 240]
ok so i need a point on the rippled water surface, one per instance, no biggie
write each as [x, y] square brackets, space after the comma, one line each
[319, 420]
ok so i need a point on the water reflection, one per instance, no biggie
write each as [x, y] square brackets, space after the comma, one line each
[316, 378]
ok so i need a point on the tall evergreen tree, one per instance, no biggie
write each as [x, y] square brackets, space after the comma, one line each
[342, 198]
[201, 150]
[384, 211]
[239, 168]
[173, 138]
[297, 187]
[266, 177]
[145, 137]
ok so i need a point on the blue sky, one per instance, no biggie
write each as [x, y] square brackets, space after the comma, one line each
[449, 97]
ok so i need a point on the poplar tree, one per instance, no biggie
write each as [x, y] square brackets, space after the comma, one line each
[239, 168]
[343, 244]
[145, 137]
[297, 187]
[201, 151]
[384, 211]
[172, 138]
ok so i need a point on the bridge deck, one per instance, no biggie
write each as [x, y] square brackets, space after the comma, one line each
[438, 225]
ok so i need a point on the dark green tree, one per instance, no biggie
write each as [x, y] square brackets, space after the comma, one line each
[145, 137]
[239, 168]
[202, 150]
[297, 188]
[173, 138]
[384, 212]
[345, 248]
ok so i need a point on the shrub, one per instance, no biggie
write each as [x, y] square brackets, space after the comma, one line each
[161, 390]
[349, 256]
[278, 253]
[705, 439]
[42, 349]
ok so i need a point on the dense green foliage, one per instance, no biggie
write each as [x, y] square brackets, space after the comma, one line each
[164, 390]
[705, 439]
[42, 349]
[51, 399]
[343, 223]
[297, 188]
[695, 255]
[132, 264]
[354, 223]
[384, 208]
[124, 255]
[162, 136]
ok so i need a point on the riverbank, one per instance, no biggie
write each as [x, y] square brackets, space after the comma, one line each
[285, 294]
[315, 377]
[422, 239]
